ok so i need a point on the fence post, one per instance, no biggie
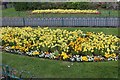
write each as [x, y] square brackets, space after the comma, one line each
[106, 22]
[62, 22]
[23, 21]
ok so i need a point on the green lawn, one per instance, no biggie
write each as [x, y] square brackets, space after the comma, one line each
[111, 31]
[11, 12]
[44, 68]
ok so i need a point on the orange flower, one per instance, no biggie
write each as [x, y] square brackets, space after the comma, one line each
[46, 52]
[16, 47]
[97, 59]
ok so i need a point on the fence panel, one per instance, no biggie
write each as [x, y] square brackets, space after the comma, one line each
[7, 21]
[58, 21]
[12, 21]
[116, 21]
[102, 22]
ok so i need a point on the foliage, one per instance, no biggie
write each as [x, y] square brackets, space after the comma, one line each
[63, 44]
[20, 6]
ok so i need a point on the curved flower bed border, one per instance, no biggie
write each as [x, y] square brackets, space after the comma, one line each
[64, 56]
[66, 11]
[60, 44]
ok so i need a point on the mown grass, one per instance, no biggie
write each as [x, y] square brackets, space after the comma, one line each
[110, 31]
[44, 68]
[11, 12]
[105, 30]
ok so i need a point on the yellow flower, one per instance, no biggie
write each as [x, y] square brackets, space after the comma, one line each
[64, 55]
[25, 49]
[36, 53]
[64, 11]
[107, 55]
[84, 58]
[13, 47]
[113, 55]
[92, 50]
[108, 50]
[84, 49]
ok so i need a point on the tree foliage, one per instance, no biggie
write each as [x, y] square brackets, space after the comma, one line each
[21, 6]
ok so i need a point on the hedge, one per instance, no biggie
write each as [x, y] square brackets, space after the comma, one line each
[22, 6]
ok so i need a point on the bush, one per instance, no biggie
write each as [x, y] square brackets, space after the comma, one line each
[21, 6]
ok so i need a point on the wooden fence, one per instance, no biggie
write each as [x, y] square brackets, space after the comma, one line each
[27, 21]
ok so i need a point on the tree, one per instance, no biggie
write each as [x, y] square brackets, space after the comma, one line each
[5, 4]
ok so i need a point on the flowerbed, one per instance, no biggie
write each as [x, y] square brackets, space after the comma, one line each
[62, 11]
[60, 44]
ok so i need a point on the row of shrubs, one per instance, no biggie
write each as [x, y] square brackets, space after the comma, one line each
[21, 6]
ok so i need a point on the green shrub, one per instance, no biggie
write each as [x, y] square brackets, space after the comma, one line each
[21, 6]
